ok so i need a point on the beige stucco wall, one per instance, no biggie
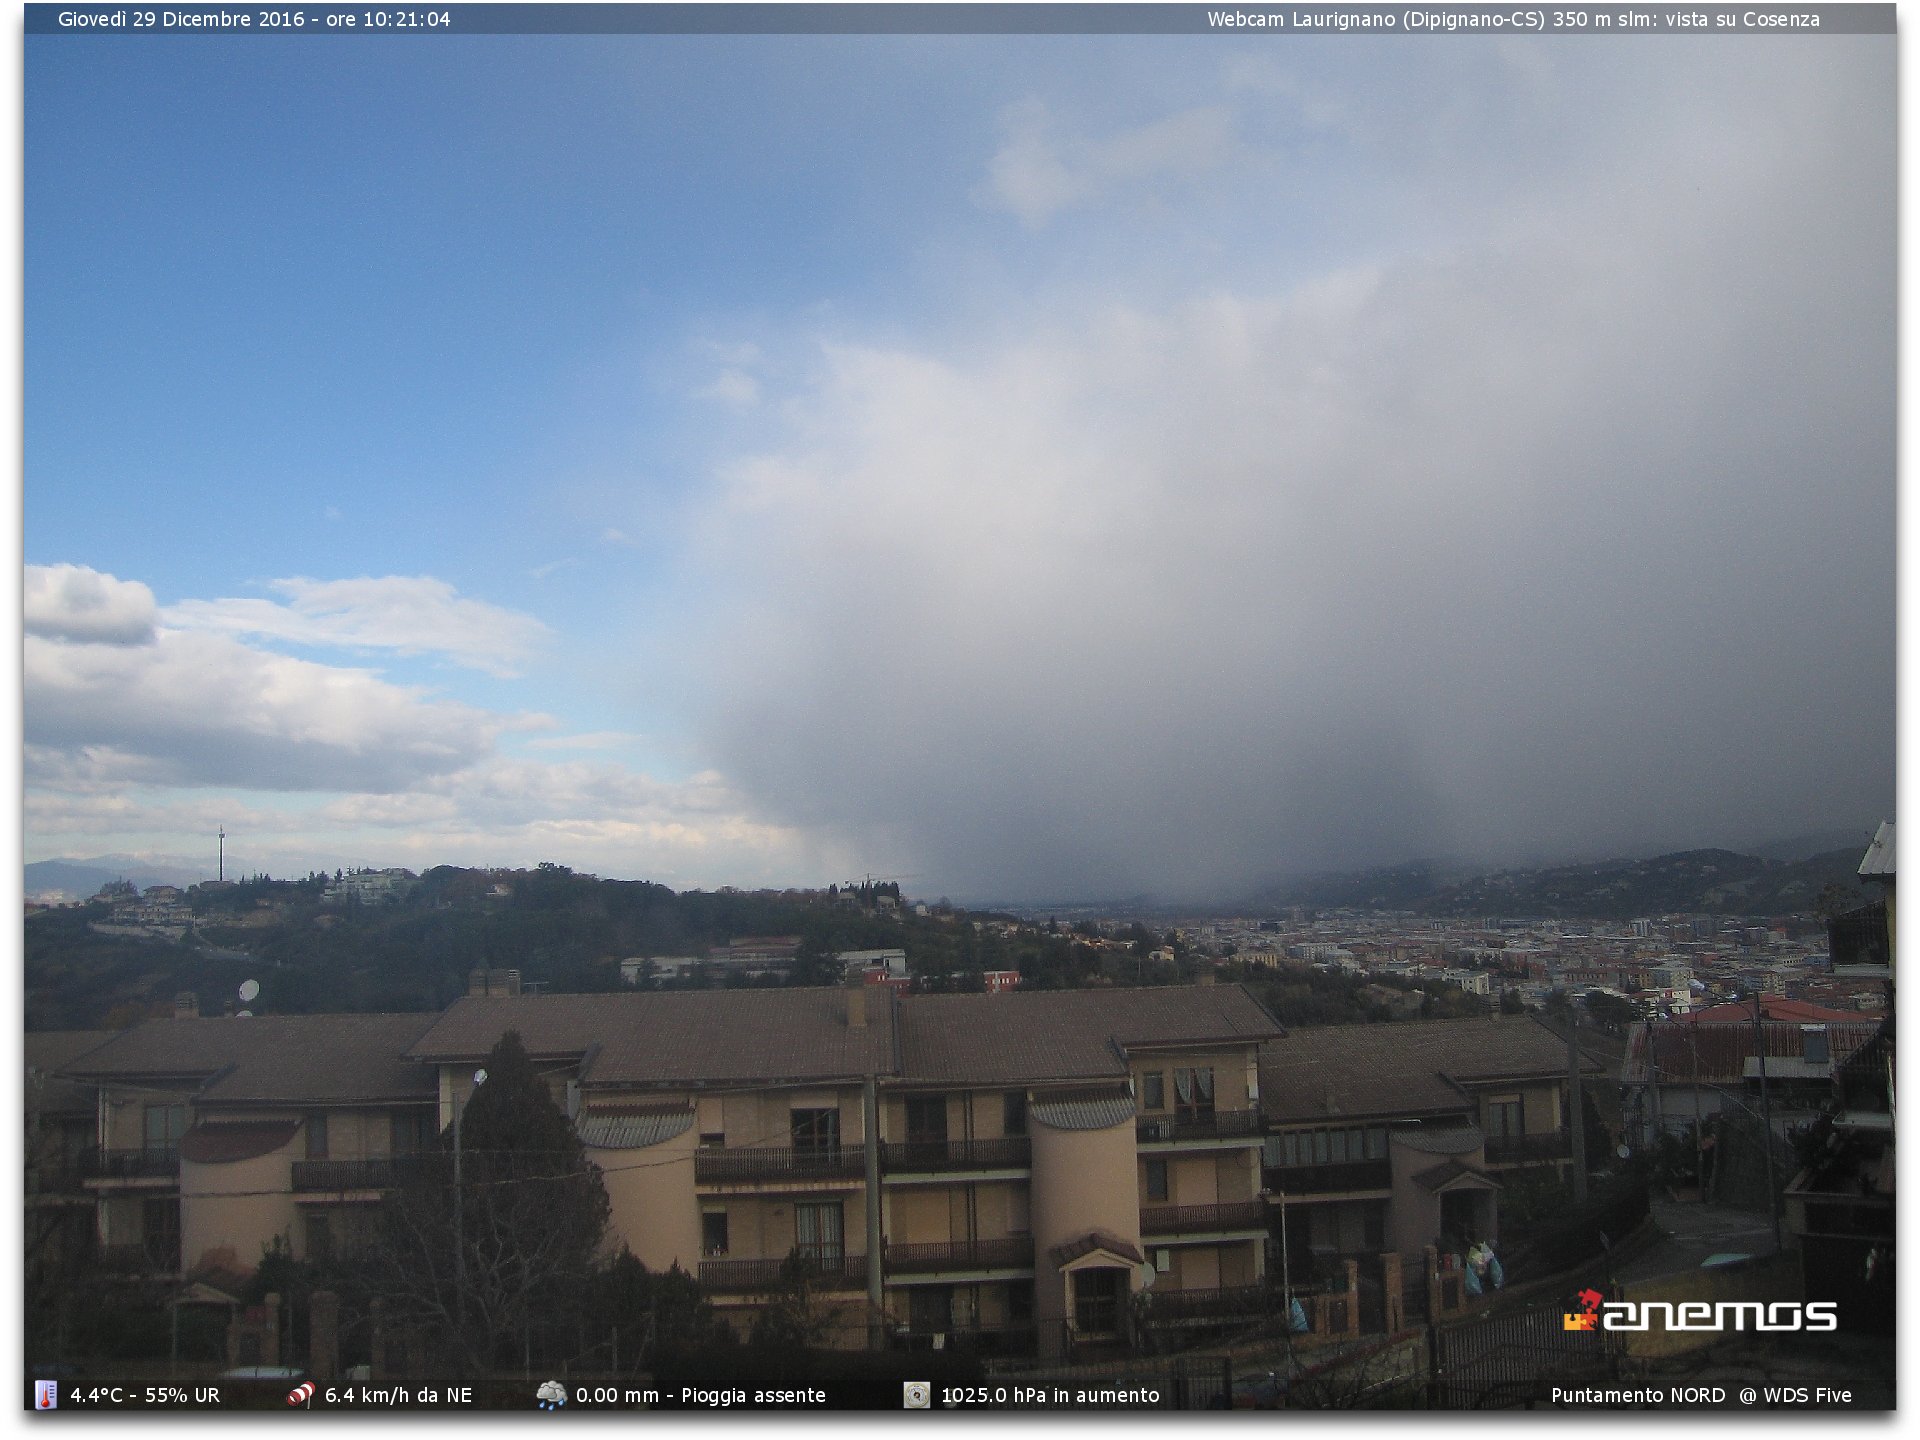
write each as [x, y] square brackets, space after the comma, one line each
[1235, 1074]
[126, 1115]
[219, 1211]
[1082, 1180]
[652, 1205]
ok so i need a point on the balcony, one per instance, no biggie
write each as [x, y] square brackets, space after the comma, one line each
[1529, 1149]
[763, 1277]
[929, 1157]
[1295, 1181]
[154, 1164]
[378, 1174]
[1204, 1219]
[953, 1255]
[1220, 1125]
[773, 1164]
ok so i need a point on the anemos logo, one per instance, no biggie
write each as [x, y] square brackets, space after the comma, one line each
[1816, 1316]
[1587, 1317]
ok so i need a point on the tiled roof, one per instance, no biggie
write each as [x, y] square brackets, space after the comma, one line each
[1406, 1067]
[701, 1037]
[1082, 1112]
[632, 1129]
[1772, 1007]
[50, 1051]
[1096, 1240]
[1438, 1177]
[218, 1144]
[272, 1059]
[1718, 1054]
[1040, 1035]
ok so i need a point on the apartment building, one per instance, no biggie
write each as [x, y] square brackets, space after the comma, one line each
[1006, 1172]
[1385, 1137]
[1036, 1158]
[214, 1137]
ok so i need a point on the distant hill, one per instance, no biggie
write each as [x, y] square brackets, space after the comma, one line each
[54, 880]
[1708, 882]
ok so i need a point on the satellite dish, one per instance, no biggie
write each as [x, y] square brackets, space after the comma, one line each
[479, 1077]
[243, 1015]
[1146, 1272]
[249, 990]
[1624, 1153]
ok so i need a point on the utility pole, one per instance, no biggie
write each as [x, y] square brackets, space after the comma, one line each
[1577, 1103]
[870, 1127]
[459, 1217]
[1766, 1122]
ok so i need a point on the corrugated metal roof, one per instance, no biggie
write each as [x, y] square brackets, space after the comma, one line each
[632, 1130]
[1878, 860]
[1083, 1112]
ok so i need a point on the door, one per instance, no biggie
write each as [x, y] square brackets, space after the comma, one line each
[817, 1233]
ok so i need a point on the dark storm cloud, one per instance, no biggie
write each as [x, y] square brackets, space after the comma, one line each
[1571, 531]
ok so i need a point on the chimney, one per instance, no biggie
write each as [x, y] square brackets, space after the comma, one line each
[476, 982]
[857, 1005]
[186, 1006]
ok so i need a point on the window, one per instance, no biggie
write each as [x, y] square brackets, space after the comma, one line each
[1377, 1143]
[165, 1124]
[1156, 1179]
[319, 1239]
[1013, 1113]
[1162, 1259]
[1153, 1090]
[817, 1233]
[1502, 1118]
[1322, 1148]
[411, 1131]
[1814, 1050]
[316, 1137]
[713, 1232]
[1193, 1092]
[926, 1119]
[712, 1139]
[817, 1133]
[1337, 1143]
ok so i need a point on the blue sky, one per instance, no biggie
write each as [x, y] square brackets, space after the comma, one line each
[1041, 466]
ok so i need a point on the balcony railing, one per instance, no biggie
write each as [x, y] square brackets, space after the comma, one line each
[383, 1173]
[1525, 1149]
[1220, 1125]
[162, 1164]
[1014, 1152]
[1191, 1219]
[763, 1277]
[1293, 1180]
[1009, 1254]
[751, 1164]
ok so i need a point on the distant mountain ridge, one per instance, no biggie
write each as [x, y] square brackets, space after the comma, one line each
[1707, 882]
[80, 879]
